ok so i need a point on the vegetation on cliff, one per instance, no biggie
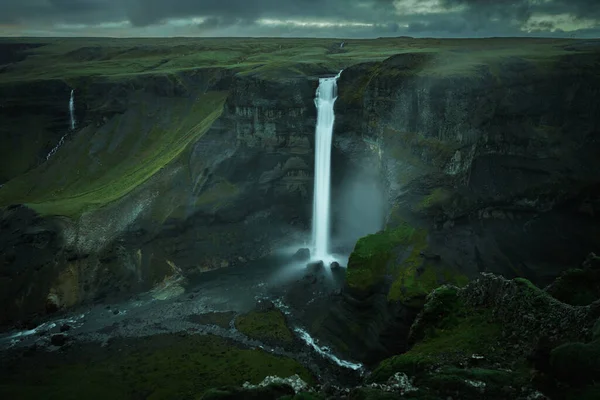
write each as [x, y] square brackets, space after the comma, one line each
[100, 166]
[498, 339]
[399, 254]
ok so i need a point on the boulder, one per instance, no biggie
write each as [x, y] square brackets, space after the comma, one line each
[302, 254]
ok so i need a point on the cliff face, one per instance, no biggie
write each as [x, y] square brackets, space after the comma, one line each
[167, 176]
[172, 174]
[496, 160]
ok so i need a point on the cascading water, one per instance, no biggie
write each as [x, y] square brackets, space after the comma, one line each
[72, 109]
[72, 116]
[325, 99]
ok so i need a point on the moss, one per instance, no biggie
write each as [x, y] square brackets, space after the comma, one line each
[435, 199]
[586, 393]
[425, 152]
[417, 277]
[270, 392]
[304, 396]
[475, 383]
[446, 333]
[576, 363]
[157, 367]
[596, 330]
[578, 287]
[266, 326]
[371, 394]
[475, 334]
[368, 262]
[413, 275]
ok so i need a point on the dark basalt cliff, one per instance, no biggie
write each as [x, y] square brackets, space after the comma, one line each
[500, 165]
[178, 173]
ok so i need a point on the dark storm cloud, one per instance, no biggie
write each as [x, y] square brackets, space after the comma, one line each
[84, 11]
[379, 17]
[147, 12]
[522, 9]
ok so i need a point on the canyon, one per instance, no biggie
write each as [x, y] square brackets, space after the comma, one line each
[128, 165]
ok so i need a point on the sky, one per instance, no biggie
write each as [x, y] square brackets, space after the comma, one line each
[301, 18]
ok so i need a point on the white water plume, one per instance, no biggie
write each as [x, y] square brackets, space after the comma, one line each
[325, 99]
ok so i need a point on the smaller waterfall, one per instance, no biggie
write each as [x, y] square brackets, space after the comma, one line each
[72, 109]
[73, 123]
[55, 149]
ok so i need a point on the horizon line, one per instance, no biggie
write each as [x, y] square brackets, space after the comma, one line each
[297, 37]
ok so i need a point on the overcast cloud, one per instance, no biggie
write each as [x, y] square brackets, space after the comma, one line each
[312, 18]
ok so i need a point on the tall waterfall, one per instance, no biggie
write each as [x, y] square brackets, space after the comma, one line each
[72, 109]
[324, 101]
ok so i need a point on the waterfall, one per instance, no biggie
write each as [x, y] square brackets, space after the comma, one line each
[324, 101]
[72, 109]
[72, 116]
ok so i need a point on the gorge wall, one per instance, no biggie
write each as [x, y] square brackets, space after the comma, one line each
[495, 164]
[174, 174]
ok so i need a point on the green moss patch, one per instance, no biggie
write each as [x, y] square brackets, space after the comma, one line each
[578, 287]
[416, 277]
[576, 363]
[270, 392]
[399, 253]
[157, 367]
[435, 199]
[447, 333]
[266, 326]
[368, 263]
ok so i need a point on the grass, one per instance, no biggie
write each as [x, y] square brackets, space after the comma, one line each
[368, 263]
[447, 333]
[578, 287]
[434, 200]
[413, 275]
[100, 166]
[157, 367]
[266, 326]
[68, 58]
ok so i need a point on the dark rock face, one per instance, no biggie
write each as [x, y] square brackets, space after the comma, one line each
[488, 159]
[495, 163]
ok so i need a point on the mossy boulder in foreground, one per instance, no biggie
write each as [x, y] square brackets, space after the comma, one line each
[476, 342]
